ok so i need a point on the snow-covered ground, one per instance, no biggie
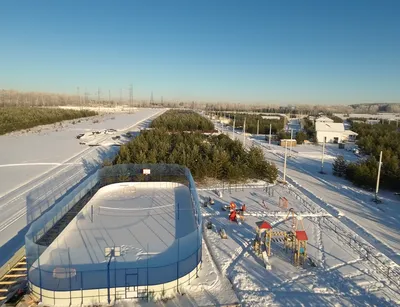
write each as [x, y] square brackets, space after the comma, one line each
[341, 277]
[378, 224]
[357, 249]
[40, 166]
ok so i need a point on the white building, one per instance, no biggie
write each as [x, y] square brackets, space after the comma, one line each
[349, 136]
[323, 119]
[273, 117]
[333, 132]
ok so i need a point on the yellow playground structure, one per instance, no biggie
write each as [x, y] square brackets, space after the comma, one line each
[294, 240]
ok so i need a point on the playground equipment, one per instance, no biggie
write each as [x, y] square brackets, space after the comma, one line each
[230, 207]
[223, 234]
[263, 238]
[294, 240]
[283, 202]
[209, 202]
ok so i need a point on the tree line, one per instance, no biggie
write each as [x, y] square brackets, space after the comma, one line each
[372, 139]
[182, 120]
[18, 118]
[207, 156]
[215, 156]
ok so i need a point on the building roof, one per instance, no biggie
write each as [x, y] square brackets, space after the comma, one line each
[301, 235]
[329, 127]
[324, 119]
[263, 225]
[349, 132]
[271, 117]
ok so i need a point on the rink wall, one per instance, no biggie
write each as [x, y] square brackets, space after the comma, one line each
[74, 284]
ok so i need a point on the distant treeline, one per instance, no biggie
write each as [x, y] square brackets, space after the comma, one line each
[251, 123]
[18, 118]
[372, 139]
[182, 120]
[207, 156]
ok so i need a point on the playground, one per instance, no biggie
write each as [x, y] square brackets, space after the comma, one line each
[283, 249]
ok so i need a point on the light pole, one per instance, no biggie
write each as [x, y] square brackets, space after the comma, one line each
[284, 164]
[291, 143]
[378, 178]
[322, 158]
[258, 126]
[270, 126]
[233, 130]
[244, 133]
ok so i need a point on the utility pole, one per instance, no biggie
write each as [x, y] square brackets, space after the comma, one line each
[322, 159]
[378, 178]
[270, 136]
[151, 99]
[79, 95]
[109, 96]
[130, 95]
[233, 130]
[120, 95]
[284, 164]
[258, 126]
[244, 133]
[291, 142]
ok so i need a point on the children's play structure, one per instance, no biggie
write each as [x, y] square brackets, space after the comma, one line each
[208, 202]
[235, 214]
[294, 240]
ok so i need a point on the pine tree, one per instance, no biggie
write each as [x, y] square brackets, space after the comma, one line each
[339, 166]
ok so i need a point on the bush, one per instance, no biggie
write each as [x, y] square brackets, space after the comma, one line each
[339, 167]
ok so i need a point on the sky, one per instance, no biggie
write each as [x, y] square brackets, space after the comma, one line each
[283, 52]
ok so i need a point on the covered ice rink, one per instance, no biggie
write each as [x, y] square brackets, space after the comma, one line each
[131, 240]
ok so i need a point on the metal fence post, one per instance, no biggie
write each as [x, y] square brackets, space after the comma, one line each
[40, 274]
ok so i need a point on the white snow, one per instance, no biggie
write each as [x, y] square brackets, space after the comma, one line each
[126, 214]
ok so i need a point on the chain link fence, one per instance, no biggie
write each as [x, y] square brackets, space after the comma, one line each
[75, 283]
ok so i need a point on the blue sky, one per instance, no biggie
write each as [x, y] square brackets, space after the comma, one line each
[209, 50]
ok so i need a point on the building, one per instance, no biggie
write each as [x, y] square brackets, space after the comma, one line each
[330, 132]
[271, 117]
[373, 121]
[288, 142]
[323, 119]
[349, 136]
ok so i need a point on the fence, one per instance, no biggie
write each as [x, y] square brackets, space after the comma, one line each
[62, 282]
[380, 262]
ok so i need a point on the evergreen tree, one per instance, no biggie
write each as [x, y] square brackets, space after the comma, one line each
[339, 166]
[301, 137]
